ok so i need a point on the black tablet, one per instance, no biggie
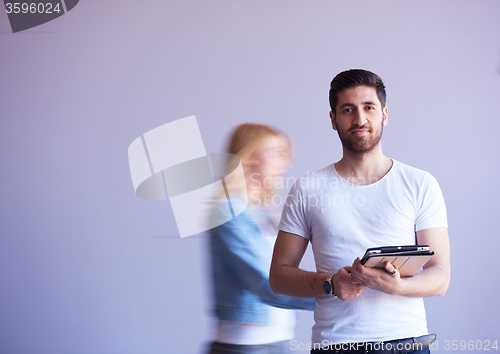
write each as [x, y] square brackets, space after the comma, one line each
[407, 259]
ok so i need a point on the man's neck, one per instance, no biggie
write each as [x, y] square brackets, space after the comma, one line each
[363, 169]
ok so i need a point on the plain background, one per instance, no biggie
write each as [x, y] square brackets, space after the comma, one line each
[87, 267]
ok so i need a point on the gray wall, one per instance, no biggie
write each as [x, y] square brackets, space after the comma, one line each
[87, 267]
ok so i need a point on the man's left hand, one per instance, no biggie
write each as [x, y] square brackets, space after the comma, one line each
[387, 280]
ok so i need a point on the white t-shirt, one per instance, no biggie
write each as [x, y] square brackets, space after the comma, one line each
[342, 220]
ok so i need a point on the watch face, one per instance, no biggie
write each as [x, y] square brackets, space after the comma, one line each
[327, 286]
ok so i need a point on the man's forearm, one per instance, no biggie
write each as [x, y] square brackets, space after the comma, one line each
[296, 282]
[433, 281]
[435, 278]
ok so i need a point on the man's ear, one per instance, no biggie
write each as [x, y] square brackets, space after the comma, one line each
[332, 117]
[385, 115]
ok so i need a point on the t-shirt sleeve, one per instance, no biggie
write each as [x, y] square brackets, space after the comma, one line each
[293, 218]
[431, 207]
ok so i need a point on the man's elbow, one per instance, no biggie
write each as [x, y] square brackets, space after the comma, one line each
[445, 283]
[444, 288]
[440, 280]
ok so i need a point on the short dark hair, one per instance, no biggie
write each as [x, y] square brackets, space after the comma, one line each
[353, 78]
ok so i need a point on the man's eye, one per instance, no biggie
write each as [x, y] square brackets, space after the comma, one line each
[347, 110]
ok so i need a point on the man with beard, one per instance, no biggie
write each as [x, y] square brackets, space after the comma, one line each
[364, 200]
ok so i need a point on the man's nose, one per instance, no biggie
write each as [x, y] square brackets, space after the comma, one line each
[359, 118]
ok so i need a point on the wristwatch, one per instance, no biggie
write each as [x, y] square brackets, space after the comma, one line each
[328, 286]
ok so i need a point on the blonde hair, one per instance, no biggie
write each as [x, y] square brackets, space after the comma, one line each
[245, 141]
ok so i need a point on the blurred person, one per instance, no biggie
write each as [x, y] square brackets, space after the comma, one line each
[250, 317]
[368, 200]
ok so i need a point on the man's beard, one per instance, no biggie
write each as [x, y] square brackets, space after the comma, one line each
[360, 145]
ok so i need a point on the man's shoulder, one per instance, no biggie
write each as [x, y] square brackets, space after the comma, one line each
[409, 171]
[412, 175]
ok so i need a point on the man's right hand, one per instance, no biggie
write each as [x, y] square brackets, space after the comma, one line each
[344, 286]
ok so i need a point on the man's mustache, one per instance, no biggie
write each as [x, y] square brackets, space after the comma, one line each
[361, 127]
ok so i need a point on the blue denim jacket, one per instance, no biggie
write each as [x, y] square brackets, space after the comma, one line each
[241, 259]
